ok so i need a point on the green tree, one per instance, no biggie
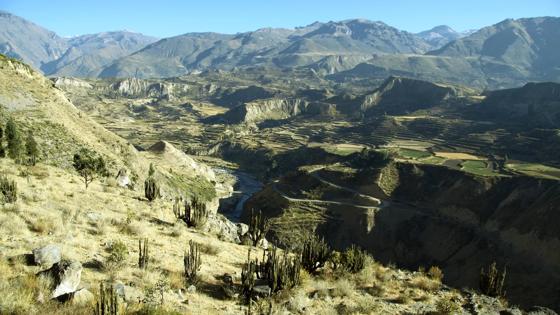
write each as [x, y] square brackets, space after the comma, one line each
[89, 165]
[15, 143]
[32, 149]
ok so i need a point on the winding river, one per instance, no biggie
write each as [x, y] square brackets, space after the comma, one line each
[245, 185]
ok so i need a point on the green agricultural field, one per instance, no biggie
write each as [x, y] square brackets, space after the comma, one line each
[413, 154]
[534, 169]
[478, 168]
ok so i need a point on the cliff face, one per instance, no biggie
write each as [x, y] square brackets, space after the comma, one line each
[432, 215]
[275, 109]
[132, 87]
[269, 109]
[462, 222]
[400, 95]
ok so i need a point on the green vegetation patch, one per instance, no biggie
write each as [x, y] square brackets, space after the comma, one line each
[536, 170]
[477, 168]
[413, 154]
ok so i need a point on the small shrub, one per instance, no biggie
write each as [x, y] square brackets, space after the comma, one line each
[43, 226]
[32, 149]
[343, 287]
[209, 249]
[435, 273]
[118, 253]
[426, 284]
[447, 307]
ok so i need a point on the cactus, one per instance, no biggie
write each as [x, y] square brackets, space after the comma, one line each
[192, 263]
[143, 256]
[195, 213]
[492, 282]
[177, 207]
[353, 259]
[279, 271]
[315, 253]
[107, 303]
[248, 272]
[258, 227]
[151, 189]
[8, 188]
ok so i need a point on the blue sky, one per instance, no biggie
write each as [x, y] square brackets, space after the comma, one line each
[165, 18]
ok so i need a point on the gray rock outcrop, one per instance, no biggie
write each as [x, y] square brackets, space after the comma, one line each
[48, 255]
[66, 275]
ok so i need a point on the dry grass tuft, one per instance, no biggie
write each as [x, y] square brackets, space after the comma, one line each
[209, 249]
[342, 288]
[43, 226]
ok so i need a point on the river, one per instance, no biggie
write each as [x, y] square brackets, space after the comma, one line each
[244, 185]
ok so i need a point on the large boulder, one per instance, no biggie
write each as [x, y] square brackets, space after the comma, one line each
[66, 275]
[219, 225]
[48, 255]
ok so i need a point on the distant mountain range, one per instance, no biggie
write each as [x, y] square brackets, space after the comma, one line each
[506, 54]
[54, 55]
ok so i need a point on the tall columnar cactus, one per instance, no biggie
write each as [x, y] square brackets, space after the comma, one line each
[248, 273]
[143, 254]
[258, 227]
[492, 281]
[194, 213]
[353, 259]
[107, 303]
[151, 189]
[315, 253]
[8, 190]
[192, 263]
[279, 271]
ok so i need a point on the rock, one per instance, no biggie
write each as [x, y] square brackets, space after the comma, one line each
[511, 311]
[71, 82]
[127, 293]
[66, 275]
[539, 310]
[263, 243]
[93, 217]
[122, 178]
[242, 229]
[219, 225]
[40, 298]
[180, 295]
[47, 256]
[246, 240]
[261, 290]
[191, 289]
[82, 297]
